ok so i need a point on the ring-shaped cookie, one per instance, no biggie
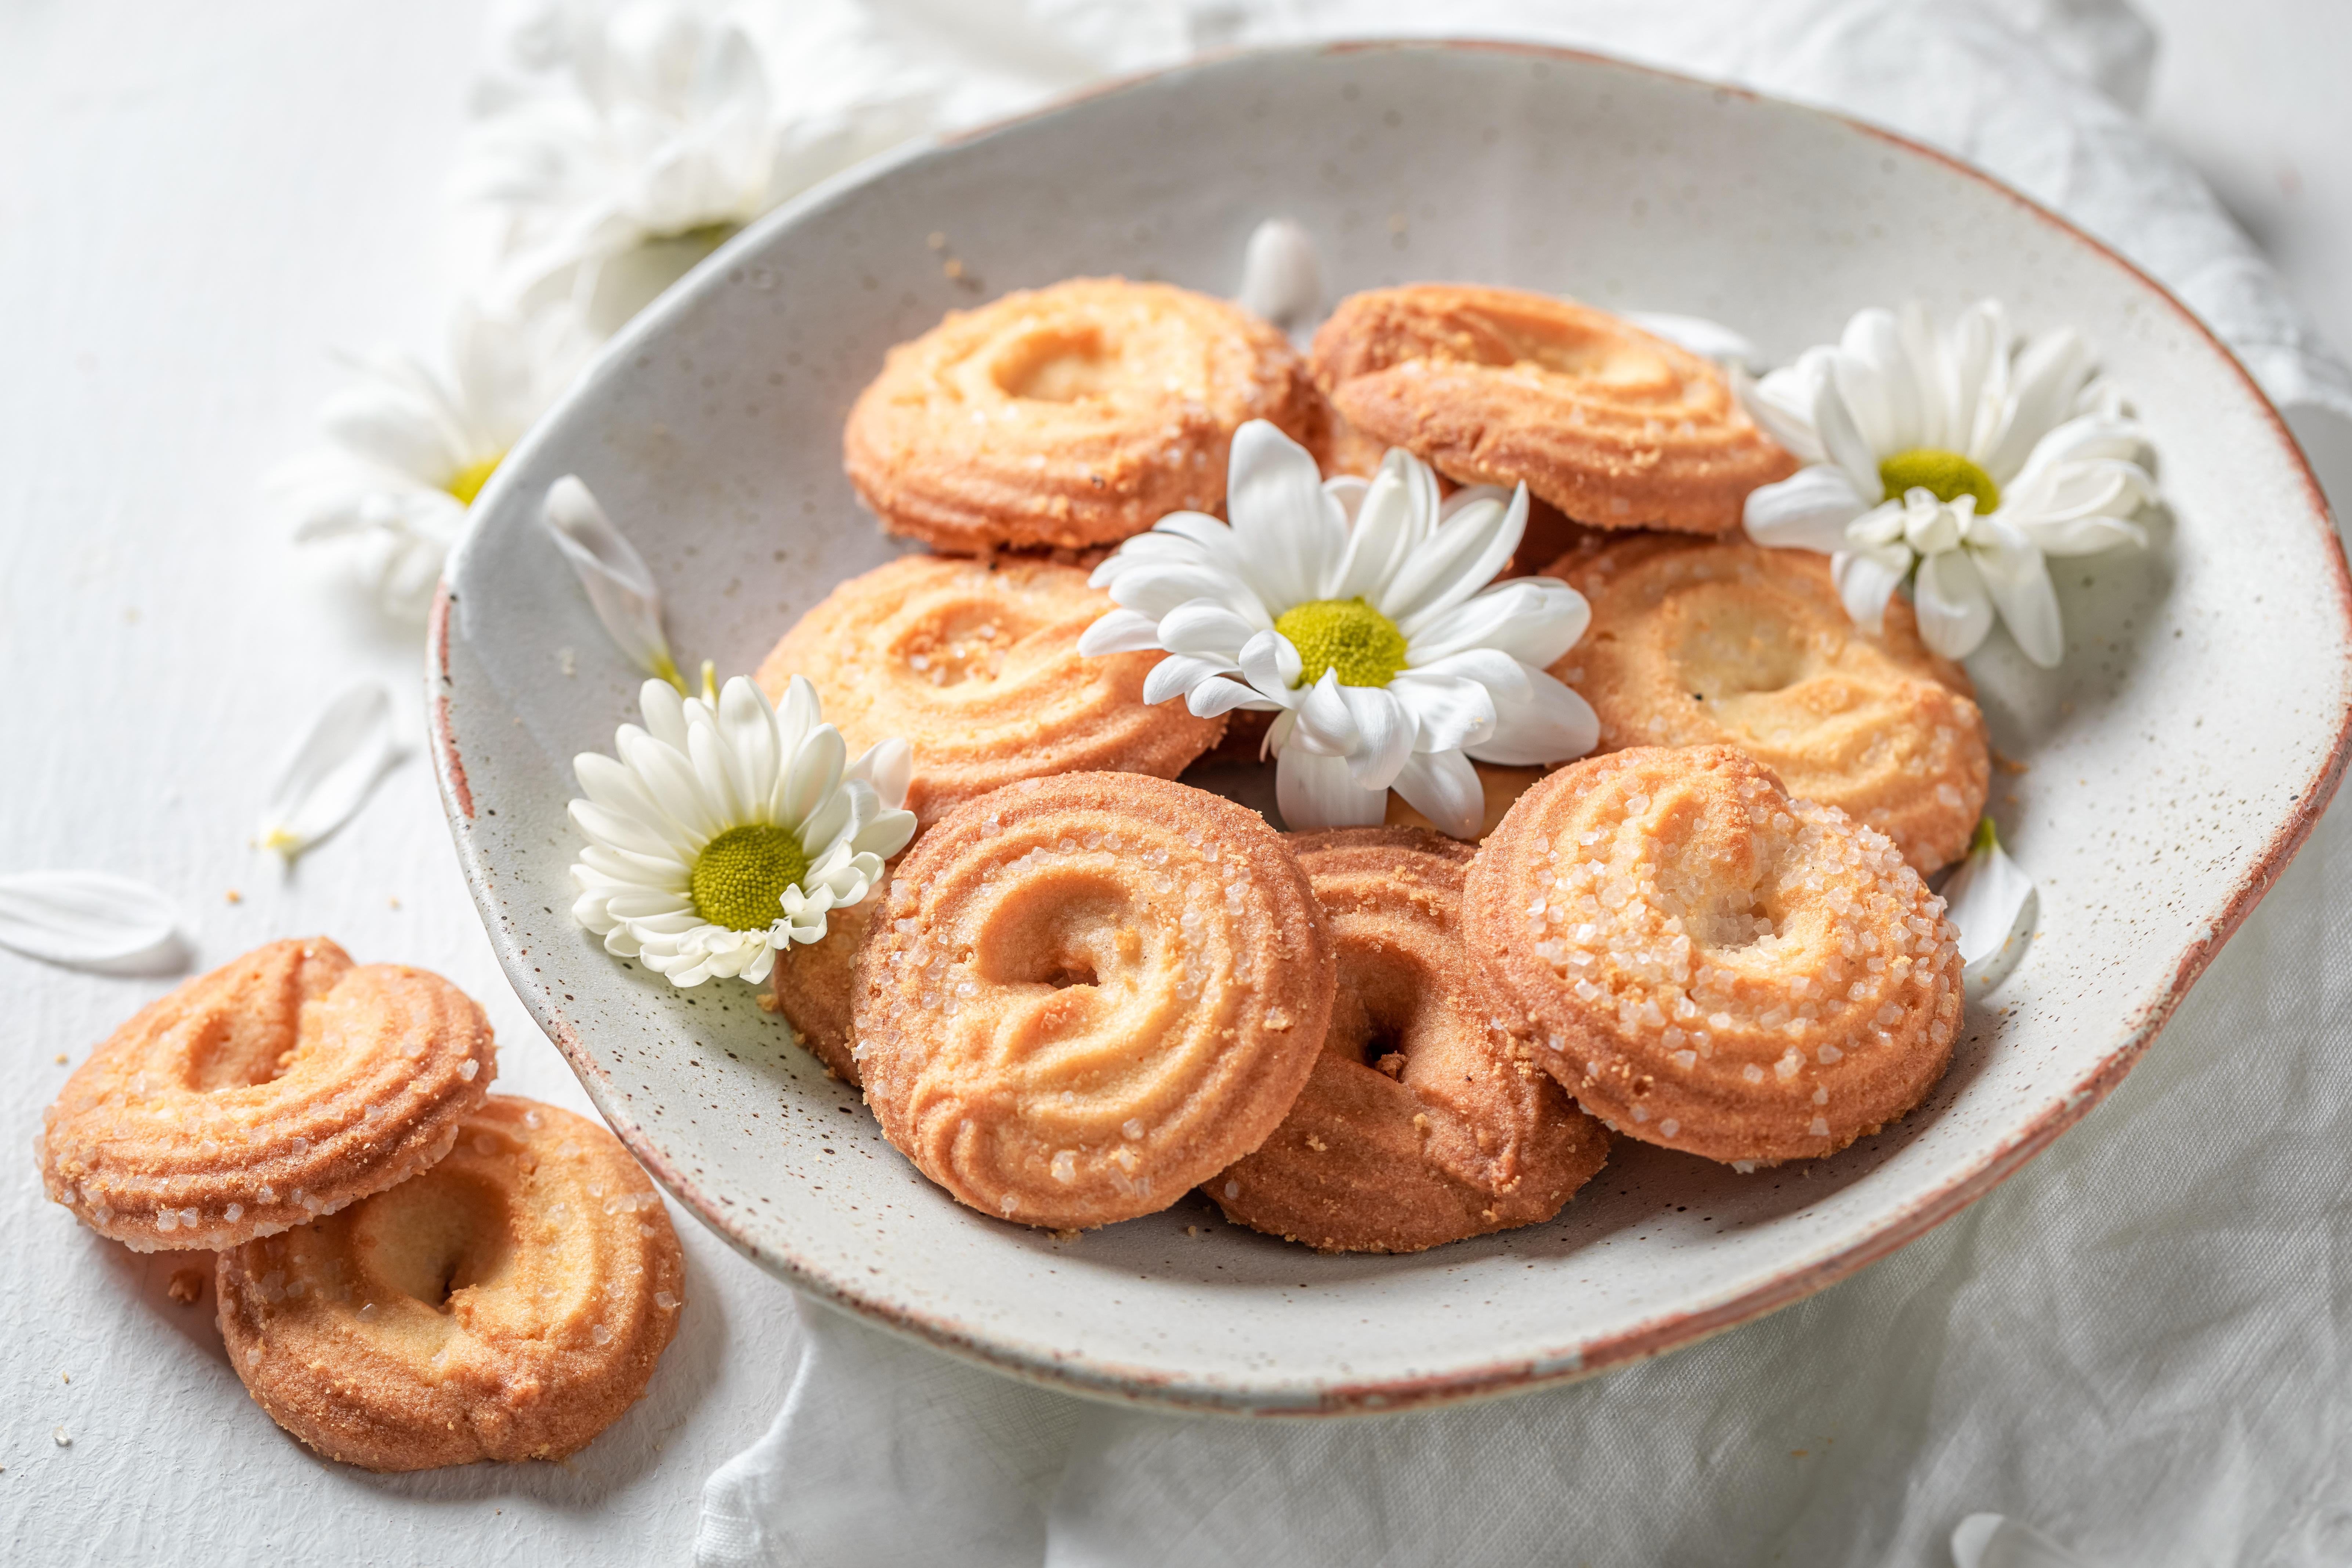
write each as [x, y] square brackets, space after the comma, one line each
[1427, 1119]
[1696, 642]
[510, 1303]
[813, 987]
[1088, 995]
[279, 1088]
[1072, 416]
[1613, 427]
[977, 668]
[1714, 966]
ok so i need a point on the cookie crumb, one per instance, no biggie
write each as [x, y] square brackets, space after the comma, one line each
[233, 897]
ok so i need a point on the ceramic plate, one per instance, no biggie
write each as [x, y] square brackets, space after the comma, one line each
[2174, 761]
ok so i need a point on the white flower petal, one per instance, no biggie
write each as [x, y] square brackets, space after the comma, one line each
[1782, 404]
[331, 772]
[886, 834]
[2049, 372]
[1865, 579]
[1206, 628]
[1326, 722]
[90, 920]
[1271, 664]
[1843, 440]
[1315, 792]
[1808, 511]
[1877, 384]
[813, 772]
[2018, 582]
[623, 831]
[1448, 711]
[1533, 619]
[1286, 528]
[614, 576]
[1120, 631]
[1539, 721]
[1179, 673]
[1218, 695]
[1443, 787]
[1155, 587]
[1992, 901]
[663, 704]
[1282, 277]
[1385, 732]
[1697, 334]
[1455, 563]
[889, 767]
[1954, 609]
[799, 713]
[1398, 510]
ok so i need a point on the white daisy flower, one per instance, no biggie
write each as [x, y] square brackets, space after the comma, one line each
[728, 828]
[657, 128]
[1360, 612]
[1959, 459]
[408, 447]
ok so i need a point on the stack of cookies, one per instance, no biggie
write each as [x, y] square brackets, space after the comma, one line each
[1090, 989]
[412, 1271]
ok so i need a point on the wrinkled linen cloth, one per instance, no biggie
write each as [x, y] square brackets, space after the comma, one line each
[2138, 1346]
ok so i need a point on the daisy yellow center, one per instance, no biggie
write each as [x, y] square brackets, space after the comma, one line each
[468, 482]
[1347, 636]
[1945, 475]
[741, 875]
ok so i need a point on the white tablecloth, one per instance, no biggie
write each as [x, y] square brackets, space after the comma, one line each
[2136, 1344]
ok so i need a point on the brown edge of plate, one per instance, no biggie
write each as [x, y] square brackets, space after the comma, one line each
[1672, 1332]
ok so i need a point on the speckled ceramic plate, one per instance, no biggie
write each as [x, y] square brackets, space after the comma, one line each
[2176, 761]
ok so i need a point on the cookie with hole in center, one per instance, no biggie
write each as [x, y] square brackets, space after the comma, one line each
[1615, 427]
[976, 667]
[1070, 416]
[1089, 994]
[280, 1087]
[1427, 1118]
[1701, 642]
[1710, 964]
[510, 1303]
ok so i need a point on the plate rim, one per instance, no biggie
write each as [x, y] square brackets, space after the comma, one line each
[1109, 1381]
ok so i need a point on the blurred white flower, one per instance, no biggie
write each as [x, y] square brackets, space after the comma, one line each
[656, 124]
[1959, 459]
[1362, 613]
[408, 446]
[728, 829]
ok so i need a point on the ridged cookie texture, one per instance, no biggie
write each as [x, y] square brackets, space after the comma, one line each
[1089, 994]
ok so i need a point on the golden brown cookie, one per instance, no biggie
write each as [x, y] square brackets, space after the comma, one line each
[977, 668]
[1615, 427]
[1703, 643]
[811, 984]
[510, 1303]
[273, 1090]
[1714, 966]
[1092, 994]
[1071, 415]
[1427, 1119]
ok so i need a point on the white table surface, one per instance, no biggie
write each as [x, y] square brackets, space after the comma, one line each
[196, 203]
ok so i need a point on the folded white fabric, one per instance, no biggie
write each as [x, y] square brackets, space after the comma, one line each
[2138, 1344]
